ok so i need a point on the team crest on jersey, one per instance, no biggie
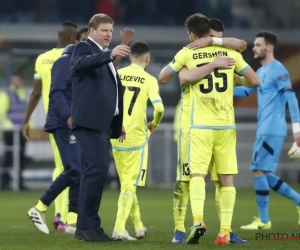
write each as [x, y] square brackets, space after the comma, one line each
[283, 77]
[72, 139]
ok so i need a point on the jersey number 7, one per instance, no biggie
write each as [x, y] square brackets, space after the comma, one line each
[136, 91]
[211, 84]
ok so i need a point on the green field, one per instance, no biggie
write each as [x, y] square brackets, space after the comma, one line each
[18, 233]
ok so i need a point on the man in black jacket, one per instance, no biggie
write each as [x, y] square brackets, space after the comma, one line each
[97, 114]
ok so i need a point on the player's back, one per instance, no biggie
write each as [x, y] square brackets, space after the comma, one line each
[271, 103]
[212, 97]
[43, 67]
[137, 85]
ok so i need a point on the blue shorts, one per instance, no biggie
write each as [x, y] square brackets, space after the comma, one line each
[266, 152]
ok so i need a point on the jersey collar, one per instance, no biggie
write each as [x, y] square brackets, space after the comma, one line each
[136, 66]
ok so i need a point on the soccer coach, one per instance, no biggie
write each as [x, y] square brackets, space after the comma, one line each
[97, 114]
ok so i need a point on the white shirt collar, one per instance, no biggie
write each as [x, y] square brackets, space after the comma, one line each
[100, 47]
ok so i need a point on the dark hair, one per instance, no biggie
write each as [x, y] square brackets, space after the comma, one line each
[216, 24]
[99, 18]
[198, 24]
[139, 48]
[82, 30]
[68, 23]
[16, 74]
[269, 37]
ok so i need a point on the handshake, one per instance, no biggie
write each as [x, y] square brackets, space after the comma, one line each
[294, 152]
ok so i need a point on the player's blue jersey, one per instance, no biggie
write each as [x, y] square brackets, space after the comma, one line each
[271, 103]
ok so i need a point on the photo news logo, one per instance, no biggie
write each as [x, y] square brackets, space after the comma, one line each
[277, 236]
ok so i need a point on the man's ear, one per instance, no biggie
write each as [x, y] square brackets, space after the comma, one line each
[147, 59]
[193, 36]
[270, 47]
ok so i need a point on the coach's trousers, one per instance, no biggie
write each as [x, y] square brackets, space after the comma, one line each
[95, 146]
[71, 157]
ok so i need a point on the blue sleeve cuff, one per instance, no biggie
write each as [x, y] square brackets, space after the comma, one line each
[37, 78]
[244, 69]
[172, 70]
[156, 101]
[242, 91]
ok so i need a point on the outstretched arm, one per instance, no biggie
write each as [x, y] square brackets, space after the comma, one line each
[241, 81]
[85, 59]
[243, 91]
[229, 42]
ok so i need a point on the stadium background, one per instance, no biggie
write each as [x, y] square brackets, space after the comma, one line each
[28, 28]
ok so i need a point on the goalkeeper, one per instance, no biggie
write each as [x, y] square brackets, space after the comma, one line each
[274, 93]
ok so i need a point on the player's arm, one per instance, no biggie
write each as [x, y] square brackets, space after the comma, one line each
[59, 81]
[284, 86]
[34, 97]
[84, 59]
[241, 81]
[153, 94]
[242, 91]
[229, 42]
[168, 72]
[197, 74]
[291, 99]
[126, 37]
[5, 122]
[242, 68]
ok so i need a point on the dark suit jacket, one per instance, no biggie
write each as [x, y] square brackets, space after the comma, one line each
[94, 90]
[60, 92]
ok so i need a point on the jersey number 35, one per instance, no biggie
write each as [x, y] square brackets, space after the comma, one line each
[211, 84]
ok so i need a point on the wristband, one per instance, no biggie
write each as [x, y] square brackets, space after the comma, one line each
[296, 127]
[217, 41]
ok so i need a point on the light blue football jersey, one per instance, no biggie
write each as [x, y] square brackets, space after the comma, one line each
[271, 104]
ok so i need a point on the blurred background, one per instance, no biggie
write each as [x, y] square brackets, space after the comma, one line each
[29, 28]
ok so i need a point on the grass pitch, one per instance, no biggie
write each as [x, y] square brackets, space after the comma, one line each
[18, 233]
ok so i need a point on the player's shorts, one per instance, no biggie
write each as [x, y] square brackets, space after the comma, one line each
[57, 159]
[212, 170]
[132, 166]
[266, 152]
[183, 170]
[203, 143]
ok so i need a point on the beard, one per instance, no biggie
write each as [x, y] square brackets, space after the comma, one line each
[261, 56]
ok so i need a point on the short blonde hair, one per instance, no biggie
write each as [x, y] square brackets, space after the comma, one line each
[99, 18]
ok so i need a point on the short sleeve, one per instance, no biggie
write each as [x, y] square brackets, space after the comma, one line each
[178, 62]
[37, 70]
[240, 65]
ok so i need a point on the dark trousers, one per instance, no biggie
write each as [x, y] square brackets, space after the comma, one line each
[70, 154]
[95, 146]
[8, 159]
